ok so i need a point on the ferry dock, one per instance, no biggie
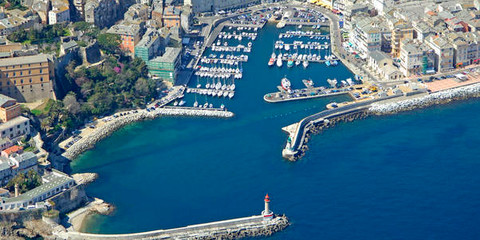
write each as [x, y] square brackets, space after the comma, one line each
[305, 93]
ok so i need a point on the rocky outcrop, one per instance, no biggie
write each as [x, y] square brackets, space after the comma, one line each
[84, 178]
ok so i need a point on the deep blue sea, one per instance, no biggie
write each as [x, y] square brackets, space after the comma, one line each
[414, 175]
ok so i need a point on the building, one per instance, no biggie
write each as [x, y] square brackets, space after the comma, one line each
[5, 143]
[171, 16]
[382, 64]
[444, 52]
[129, 35]
[102, 13]
[416, 58]
[16, 163]
[137, 12]
[367, 35]
[199, 6]
[28, 78]
[9, 108]
[149, 46]
[15, 128]
[17, 19]
[53, 183]
[166, 66]
[401, 31]
[15, 149]
[58, 15]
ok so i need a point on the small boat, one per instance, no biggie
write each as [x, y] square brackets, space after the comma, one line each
[305, 64]
[279, 62]
[286, 85]
[181, 103]
[298, 62]
[175, 103]
[287, 47]
[249, 44]
[290, 63]
[308, 83]
[222, 106]
[328, 63]
[271, 62]
[210, 105]
[231, 94]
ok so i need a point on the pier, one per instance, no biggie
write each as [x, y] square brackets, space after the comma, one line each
[297, 132]
[265, 224]
[304, 93]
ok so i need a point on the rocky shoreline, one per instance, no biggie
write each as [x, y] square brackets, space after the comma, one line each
[131, 117]
[442, 97]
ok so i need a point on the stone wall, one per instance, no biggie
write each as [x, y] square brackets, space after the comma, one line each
[71, 199]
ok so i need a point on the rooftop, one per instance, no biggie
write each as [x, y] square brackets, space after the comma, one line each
[51, 181]
[125, 29]
[4, 99]
[169, 56]
[14, 122]
[40, 58]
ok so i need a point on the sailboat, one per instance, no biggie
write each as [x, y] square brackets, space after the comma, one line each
[195, 104]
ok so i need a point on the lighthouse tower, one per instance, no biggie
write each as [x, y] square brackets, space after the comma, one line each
[267, 214]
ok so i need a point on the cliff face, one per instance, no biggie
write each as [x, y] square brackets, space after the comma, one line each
[71, 199]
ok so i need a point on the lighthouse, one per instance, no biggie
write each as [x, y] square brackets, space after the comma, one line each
[267, 214]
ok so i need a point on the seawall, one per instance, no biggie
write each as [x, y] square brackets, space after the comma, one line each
[253, 226]
[116, 123]
[461, 93]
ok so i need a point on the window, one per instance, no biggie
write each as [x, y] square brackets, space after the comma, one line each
[21, 73]
[29, 71]
[41, 70]
[21, 80]
[41, 79]
[30, 80]
[6, 74]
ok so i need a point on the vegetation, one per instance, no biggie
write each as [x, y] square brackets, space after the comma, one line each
[25, 182]
[48, 34]
[88, 29]
[52, 213]
[117, 84]
[109, 43]
[13, 4]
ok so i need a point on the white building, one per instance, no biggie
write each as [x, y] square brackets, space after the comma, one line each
[15, 128]
[53, 183]
[58, 15]
[444, 52]
[416, 58]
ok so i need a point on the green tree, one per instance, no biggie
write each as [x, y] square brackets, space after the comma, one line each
[25, 182]
[109, 42]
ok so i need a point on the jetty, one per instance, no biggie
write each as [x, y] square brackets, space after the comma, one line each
[297, 132]
[265, 224]
[305, 93]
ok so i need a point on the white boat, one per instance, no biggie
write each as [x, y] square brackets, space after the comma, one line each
[231, 94]
[175, 103]
[286, 85]
[279, 62]
[287, 47]
[305, 64]
[297, 62]
[225, 94]
[181, 103]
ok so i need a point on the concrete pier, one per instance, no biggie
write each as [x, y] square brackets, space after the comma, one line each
[297, 132]
[303, 94]
[229, 229]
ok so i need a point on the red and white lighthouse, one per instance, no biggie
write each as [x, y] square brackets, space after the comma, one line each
[267, 214]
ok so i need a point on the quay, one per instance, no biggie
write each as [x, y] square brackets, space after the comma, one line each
[297, 132]
[265, 224]
[305, 93]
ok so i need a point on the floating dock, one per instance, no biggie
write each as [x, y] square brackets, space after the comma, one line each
[304, 93]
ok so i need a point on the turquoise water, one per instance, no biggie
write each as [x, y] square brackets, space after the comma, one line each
[413, 175]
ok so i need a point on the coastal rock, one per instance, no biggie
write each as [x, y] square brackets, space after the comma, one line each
[84, 178]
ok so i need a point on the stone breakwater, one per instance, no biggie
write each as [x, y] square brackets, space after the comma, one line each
[109, 127]
[254, 226]
[427, 100]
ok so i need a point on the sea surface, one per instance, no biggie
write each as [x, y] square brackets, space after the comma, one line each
[413, 175]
